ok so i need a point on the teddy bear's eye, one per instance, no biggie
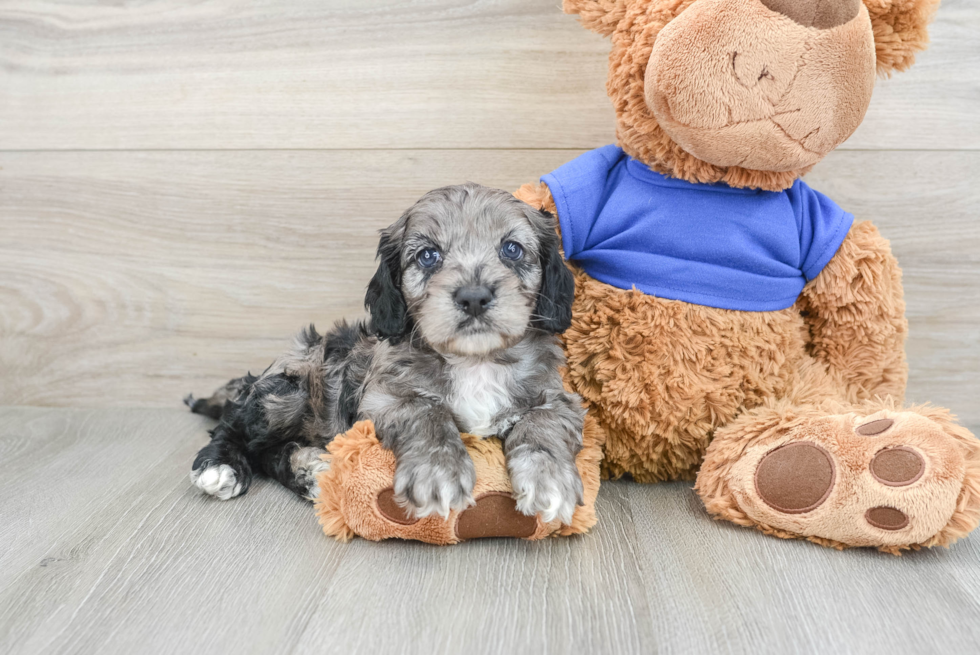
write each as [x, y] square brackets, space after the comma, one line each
[512, 250]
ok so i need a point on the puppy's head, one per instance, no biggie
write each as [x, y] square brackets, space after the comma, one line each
[471, 269]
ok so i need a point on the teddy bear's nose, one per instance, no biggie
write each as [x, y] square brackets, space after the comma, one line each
[821, 14]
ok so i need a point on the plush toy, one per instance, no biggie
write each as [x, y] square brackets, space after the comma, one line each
[357, 498]
[729, 321]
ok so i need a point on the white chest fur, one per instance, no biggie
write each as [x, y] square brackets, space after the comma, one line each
[479, 392]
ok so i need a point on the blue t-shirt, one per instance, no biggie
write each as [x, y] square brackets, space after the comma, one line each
[708, 244]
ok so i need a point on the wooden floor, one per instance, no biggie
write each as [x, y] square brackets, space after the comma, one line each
[108, 549]
[185, 183]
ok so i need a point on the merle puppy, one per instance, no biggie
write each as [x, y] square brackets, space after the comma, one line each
[469, 294]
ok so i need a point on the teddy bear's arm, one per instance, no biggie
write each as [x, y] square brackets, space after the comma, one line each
[856, 314]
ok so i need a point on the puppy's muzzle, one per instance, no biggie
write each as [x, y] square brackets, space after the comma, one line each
[473, 300]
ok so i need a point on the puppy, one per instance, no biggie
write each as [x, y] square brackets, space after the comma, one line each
[469, 294]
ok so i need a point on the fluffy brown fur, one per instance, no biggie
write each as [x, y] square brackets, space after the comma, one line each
[900, 30]
[855, 315]
[683, 390]
[638, 131]
[662, 377]
[779, 421]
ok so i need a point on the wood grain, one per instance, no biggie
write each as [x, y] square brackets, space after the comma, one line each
[492, 596]
[134, 278]
[375, 74]
[721, 588]
[108, 549]
[185, 184]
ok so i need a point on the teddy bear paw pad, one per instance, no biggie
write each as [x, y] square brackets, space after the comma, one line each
[391, 510]
[889, 479]
[495, 515]
[795, 478]
[897, 467]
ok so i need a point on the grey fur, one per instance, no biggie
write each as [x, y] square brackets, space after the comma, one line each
[449, 372]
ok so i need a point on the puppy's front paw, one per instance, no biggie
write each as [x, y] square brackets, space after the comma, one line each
[544, 484]
[435, 482]
[219, 481]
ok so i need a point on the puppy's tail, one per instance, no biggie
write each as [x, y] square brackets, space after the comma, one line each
[215, 405]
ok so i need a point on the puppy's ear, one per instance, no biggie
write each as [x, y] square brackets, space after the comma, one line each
[384, 299]
[553, 312]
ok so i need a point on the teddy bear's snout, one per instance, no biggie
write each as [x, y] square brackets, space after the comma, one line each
[770, 85]
[821, 14]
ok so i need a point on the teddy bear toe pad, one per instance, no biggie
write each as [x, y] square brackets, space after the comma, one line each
[389, 508]
[889, 479]
[495, 514]
[898, 466]
[795, 478]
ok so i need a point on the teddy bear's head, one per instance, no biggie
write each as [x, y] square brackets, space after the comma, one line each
[748, 92]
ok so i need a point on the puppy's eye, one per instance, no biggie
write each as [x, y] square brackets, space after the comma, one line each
[428, 257]
[512, 251]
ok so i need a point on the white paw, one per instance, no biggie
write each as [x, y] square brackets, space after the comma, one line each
[315, 469]
[218, 481]
[436, 484]
[549, 504]
[545, 486]
[440, 498]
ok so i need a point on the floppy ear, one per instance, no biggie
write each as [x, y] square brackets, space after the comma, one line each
[553, 312]
[384, 299]
[600, 16]
[901, 30]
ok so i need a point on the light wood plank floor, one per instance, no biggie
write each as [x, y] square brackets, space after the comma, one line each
[108, 549]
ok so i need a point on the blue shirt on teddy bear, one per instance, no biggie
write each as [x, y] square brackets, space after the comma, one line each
[708, 244]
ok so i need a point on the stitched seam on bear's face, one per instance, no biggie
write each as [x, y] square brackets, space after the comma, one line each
[801, 64]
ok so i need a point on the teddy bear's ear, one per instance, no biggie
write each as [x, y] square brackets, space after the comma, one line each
[600, 16]
[900, 29]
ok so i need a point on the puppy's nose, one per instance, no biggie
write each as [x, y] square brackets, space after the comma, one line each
[473, 300]
[822, 14]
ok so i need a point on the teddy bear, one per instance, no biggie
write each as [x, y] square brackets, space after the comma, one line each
[732, 325]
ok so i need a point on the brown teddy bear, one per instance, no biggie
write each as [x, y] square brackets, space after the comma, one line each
[729, 321]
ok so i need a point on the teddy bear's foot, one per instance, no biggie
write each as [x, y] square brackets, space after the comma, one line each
[494, 514]
[357, 494]
[890, 479]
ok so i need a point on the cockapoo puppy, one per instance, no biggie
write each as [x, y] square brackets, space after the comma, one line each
[469, 294]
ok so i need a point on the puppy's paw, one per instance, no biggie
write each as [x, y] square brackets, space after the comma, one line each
[218, 480]
[544, 484]
[307, 464]
[436, 482]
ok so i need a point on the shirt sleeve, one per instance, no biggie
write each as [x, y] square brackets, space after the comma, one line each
[578, 189]
[823, 227]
